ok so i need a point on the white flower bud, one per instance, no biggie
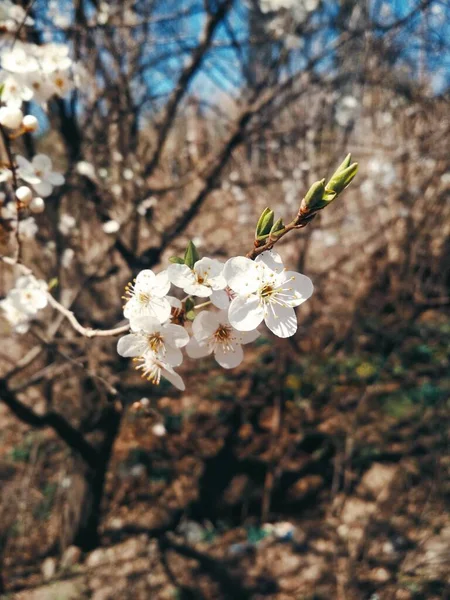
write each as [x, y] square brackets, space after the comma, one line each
[24, 194]
[11, 117]
[37, 205]
[30, 123]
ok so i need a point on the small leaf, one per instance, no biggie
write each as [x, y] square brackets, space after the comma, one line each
[342, 179]
[314, 197]
[176, 260]
[277, 228]
[189, 305]
[264, 224]
[53, 283]
[191, 256]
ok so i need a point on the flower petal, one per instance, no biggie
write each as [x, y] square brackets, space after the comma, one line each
[173, 356]
[281, 320]
[159, 308]
[271, 259]
[131, 345]
[42, 162]
[246, 337]
[55, 178]
[241, 274]
[299, 287]
[144, 323]
[175, 335]
[204, 325]
[229, 358]
[43, 188]
[198, 289]
[196, 350]
[173, 378]
[180, 275]
[144, 280]
[161, 284]
[220, 299]
[245, 314]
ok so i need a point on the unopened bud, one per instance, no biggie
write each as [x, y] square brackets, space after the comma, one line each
[30, 123]
[11, 117]
[37, 205]
[341, 179]
[277, 229]
[265, 223]
[314, 198]
[24, 194]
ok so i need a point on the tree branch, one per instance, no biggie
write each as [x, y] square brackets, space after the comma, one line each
[67, 433]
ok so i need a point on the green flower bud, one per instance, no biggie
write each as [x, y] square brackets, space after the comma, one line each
[264, 224]
[191, 256]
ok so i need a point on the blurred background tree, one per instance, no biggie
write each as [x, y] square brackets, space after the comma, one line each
[188, 120]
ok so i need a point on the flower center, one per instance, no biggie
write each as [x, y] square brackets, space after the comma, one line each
[151, 370]
[267, 291]
[200, 279]
[143, 297]
[222, 334]
[155, 342]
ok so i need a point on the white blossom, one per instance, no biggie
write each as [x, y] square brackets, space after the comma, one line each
[153, 368]
[19, 320]
[29, 294]
[39, 174]
[213, 333]
[201, 280]
[266, 291]
[147, 296]
[149, 335]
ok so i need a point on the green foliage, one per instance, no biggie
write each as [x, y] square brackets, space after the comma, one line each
[176, 260]
[264, 225]
[191, 256]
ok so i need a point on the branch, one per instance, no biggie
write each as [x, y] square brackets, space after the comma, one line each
[85, 331]
[67, 433]
[183, 82]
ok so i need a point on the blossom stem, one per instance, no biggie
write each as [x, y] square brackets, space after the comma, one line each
[202, 305]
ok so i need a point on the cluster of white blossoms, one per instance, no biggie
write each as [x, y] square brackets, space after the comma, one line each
[241, 293]
[32, 72]
[24, 300]
[12, 16]
[28, 73]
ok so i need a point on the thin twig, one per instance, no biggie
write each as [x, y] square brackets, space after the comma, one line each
[85, 331]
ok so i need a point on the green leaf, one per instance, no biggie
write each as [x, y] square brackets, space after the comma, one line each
[189, 305]
[342, 179]
[53, 283]
[314, 198]
[176, 260]
[277, 228]
[191, 256]
[264, 224]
